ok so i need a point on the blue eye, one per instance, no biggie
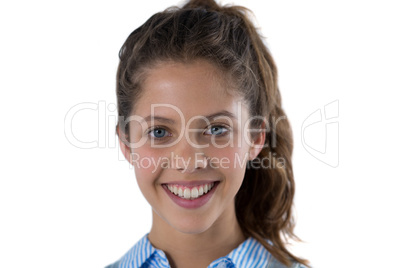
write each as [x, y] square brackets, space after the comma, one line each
[217, 130]
[158, 133]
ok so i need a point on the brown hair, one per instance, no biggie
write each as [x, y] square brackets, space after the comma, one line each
[224, 36]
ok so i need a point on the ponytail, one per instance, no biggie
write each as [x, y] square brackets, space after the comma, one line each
[264, 201]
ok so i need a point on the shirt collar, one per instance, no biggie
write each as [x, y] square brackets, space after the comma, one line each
[250, 253]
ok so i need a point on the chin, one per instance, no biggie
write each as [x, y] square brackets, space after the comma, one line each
[191, 226]
[191, 230]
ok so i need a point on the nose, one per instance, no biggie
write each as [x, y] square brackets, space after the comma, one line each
[187, 157]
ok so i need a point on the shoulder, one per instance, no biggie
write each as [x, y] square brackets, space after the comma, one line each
[136, 256]
[114, 265]
[274, 263]
[251, 253]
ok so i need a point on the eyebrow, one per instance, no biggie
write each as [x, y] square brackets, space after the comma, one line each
[210, 117]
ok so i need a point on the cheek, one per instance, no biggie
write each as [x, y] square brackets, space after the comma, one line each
[228, 158]
[146, 163]
[137, 133]
[231, 147]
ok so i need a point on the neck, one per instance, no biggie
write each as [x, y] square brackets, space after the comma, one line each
[196, 250]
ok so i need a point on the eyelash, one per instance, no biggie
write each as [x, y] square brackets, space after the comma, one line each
[155, 128]
[225, 131]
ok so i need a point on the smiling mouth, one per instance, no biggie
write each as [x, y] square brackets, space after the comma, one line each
[192, 192]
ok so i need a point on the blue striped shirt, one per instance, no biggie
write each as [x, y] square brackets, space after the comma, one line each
[248, 254]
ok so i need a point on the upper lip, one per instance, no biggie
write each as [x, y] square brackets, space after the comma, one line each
[190, 183]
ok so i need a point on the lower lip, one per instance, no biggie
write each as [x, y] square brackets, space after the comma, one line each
[191, 204]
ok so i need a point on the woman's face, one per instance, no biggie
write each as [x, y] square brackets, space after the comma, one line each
[189, 145]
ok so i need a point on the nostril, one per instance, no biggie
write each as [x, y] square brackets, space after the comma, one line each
[192, 163]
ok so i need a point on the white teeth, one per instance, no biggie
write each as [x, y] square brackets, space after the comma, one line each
[186, 193]
[180, 193]
[190, 193]
[194, 192]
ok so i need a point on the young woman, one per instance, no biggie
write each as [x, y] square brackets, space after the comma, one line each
[200, 119]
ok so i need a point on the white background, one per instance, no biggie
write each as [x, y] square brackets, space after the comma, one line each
[63, 206]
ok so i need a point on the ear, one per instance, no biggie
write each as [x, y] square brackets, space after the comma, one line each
[258, 141]
[126, 150]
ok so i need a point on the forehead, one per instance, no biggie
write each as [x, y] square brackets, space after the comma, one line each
[195, 88]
